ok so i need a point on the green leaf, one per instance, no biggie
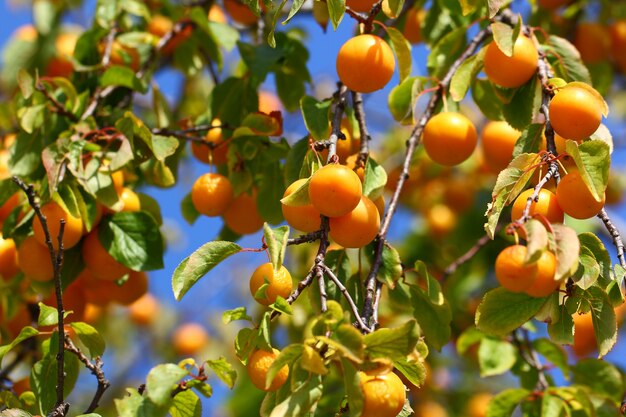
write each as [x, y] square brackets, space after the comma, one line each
[604, 321]
[276, 241]
[567, 251]
[565, 60]
[505, 36]
[348, 341]
[374, 180]
[235, 314]
[161, 381]
[529, 140]
[500, 311]
[414, 371]
[286, 357]
[352, 385]
[301, 401]
[431, 310]
[554, 353]
[588, 270]
[316, 116]
[26, 333]
[402, 48]
[595, 246]
[298, 198]
[469, 6]
[510, 183]
[593, 159]
[90, 338]
[45, 371]
[470, 337]
[552, 405]
[495, 356]
[224, 371]
[524, 105]
[446, 51]
[336, 10]
[485, 97]
[135, 405]
[133, 239]
[312, 362]
[600, 376]
[394, 343]
[465, 75]
[188, 210]
[503, 404]
[194, 267]
[391, 267]
[186, 404]
[26, 83]
[402, 99]
[562, 330]
[48, 316]
[295, 160]
[162, 146]
[537, 240]
[121, 76]
[494, 7]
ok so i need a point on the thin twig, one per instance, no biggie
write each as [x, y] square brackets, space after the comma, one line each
[95, 368]
[60, 108]
[322, 287]
[56, 258]
[359, 113]
[451, 269]
[615, 235]
[309, 237]
[346, 294]
[529, 355]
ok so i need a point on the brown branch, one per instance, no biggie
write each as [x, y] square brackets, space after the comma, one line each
[322, 287]
[451, 269]
[524, 345]
[553, 171]
[344, 291]
[304, 283]
[60, 108]
[56, 258]
[95, 368]
[108, 47]
[184, 134]
[412, 143]
[359, 113]
[309, 237]
[615, 235]
[340, 105]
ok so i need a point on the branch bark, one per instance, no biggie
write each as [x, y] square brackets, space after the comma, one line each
[56, 257]
[95, 368]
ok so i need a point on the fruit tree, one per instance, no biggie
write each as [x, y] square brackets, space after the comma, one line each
[374, 208]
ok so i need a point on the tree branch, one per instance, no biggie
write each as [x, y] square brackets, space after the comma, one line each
[95, 368]
[56, 257]
[359, 113]
[60, 108]
[344, 291]
[615, 235]
[451, 269]
[525, 347]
